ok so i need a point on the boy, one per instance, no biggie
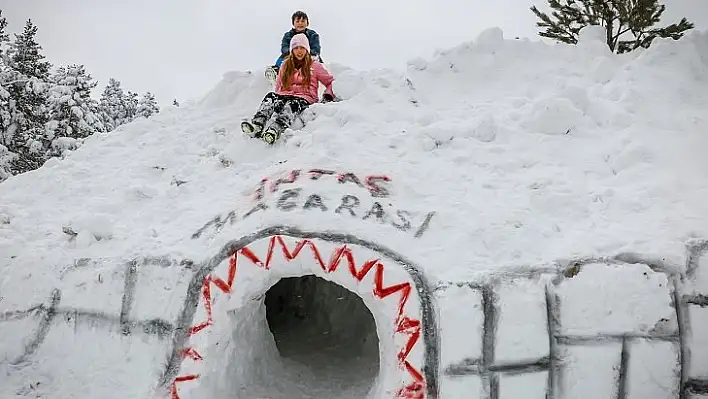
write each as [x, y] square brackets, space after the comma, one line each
[300, 23]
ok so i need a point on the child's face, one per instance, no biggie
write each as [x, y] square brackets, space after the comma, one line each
[300, 24]
[299, 52]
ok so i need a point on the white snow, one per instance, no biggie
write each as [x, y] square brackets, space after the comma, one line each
[523, 154]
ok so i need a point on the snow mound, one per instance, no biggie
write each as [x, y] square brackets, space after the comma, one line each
[501, 219]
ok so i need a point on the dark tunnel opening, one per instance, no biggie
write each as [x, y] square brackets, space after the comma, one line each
[326, 331]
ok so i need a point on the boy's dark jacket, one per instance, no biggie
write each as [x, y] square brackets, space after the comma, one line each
[312, 36]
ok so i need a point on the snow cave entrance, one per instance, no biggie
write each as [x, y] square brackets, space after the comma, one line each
[325, 334]
[283, 323]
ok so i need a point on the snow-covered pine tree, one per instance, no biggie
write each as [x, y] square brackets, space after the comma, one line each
[9, 141]
[25, 54]
[175, 103]
[147, 106]
[131, 105]
[117, 107]
[622, 19]
[73, 113]
[6, 156]
[4, 37]
[24, 81]
[112, 105]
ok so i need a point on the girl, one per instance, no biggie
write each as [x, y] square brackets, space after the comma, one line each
[295, 89]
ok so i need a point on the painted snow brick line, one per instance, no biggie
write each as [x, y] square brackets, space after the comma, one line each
[695, 316]
[68, 307]
[398, 297]
[559, 342]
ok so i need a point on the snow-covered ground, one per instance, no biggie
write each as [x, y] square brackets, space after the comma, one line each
[537, 211]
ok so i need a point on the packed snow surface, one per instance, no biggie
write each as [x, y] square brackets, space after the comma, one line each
[526, 153]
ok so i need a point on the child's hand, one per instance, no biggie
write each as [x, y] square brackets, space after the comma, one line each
[327, 98]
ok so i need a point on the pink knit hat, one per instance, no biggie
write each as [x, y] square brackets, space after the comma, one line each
[300, 40]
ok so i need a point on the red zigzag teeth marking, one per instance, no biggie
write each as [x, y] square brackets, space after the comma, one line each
[404, 324]
[414, 390]
[224, 286]
[191, 377]
[192, 354]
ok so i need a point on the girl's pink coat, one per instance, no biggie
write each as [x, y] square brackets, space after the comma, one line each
[317, 74]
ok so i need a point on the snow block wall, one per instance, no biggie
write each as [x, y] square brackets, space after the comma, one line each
[102, 322]
[621, 327]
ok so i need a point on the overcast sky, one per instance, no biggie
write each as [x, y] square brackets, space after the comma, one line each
[180, 48]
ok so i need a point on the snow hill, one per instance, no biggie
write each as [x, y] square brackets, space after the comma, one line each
[510, 219]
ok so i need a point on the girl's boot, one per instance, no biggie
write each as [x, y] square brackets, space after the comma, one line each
[271, 135]
[253, 128]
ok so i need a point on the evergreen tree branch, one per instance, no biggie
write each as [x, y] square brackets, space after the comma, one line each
[618, 17]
